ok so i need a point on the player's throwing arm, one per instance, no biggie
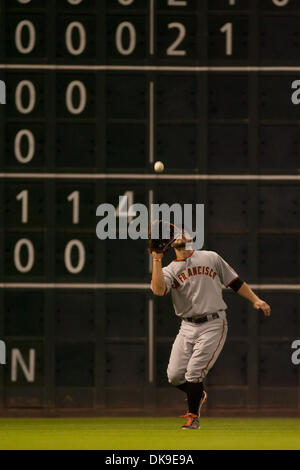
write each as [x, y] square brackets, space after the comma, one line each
[258, 304]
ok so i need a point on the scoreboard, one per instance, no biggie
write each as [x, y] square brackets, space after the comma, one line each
[96, 92]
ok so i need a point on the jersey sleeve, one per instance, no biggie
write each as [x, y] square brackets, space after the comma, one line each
[225, 272]
[168, 280]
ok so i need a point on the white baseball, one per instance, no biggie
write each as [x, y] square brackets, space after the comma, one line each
[159, 167]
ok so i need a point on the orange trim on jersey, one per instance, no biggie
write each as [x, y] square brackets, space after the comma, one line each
[232, 281]
[222, 334]
[182, 260]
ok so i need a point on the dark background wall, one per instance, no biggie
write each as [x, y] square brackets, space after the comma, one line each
[96, 92]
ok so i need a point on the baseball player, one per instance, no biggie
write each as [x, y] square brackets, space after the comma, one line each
[195, 280]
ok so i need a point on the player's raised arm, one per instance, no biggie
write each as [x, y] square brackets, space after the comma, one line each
[158, 281]
[158, 245]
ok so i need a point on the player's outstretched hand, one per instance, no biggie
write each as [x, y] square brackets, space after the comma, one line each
[262, 305]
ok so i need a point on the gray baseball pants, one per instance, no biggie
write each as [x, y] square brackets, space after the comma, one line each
[196, 349]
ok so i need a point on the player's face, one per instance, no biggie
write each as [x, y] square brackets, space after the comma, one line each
[179, 243]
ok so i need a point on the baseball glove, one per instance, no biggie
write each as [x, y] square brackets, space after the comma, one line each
[157, 240]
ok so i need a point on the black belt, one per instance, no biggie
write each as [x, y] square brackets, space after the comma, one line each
[210, 316]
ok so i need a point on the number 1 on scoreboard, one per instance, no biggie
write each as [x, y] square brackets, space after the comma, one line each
[23, 197]
[228, 30]
[74, 197]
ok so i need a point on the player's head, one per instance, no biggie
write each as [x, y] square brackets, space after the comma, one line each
[182, 240]
[164, 235]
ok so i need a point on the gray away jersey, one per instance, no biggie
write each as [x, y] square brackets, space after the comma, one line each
[196, 283]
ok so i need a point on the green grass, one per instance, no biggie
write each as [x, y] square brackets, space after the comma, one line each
[148, 433]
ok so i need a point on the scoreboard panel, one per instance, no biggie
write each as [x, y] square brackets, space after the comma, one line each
[96, 93]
